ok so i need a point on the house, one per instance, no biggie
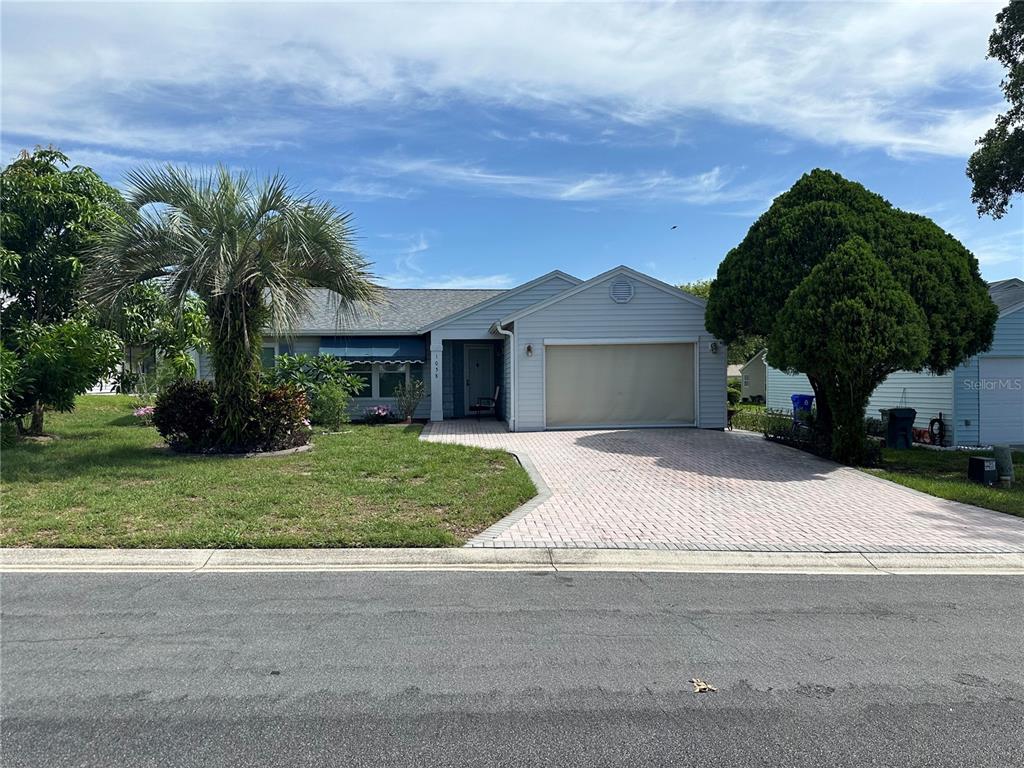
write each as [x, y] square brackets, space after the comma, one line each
[621, 349]
[733, 372]
[980, 403]
[753, 375]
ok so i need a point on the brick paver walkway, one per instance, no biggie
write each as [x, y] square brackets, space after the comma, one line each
[697, 489]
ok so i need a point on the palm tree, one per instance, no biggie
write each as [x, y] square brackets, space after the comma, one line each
[250, 248]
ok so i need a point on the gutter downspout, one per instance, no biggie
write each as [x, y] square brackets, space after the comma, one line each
[511, 335]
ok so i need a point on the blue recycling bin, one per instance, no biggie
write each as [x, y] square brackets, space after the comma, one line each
[801, 404]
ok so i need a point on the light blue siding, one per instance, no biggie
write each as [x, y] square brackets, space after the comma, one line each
[1008, 342]
[928, 394]
[506, 378]
[477, 324]
[591, 314]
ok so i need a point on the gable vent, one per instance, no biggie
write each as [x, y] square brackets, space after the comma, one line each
[621, 291]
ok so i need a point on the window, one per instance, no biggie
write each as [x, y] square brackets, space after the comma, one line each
[391, 377]
[746, 379]
[380, 380]
[267, 355]
[363, 371]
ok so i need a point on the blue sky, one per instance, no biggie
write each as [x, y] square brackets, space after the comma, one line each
[481, 145]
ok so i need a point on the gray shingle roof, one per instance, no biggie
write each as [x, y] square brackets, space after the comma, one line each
[400, 310]
[1006, 293]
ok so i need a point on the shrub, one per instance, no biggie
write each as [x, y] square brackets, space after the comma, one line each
[733, 393]
[310, 372]
[409, 397]
[378, 414]
[57, 363]
[281, 420]
[10, 380]
[174, 368]
[329, 407]
[126, 381]
[184, 416]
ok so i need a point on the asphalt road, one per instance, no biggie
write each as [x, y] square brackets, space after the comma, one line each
[462, 669]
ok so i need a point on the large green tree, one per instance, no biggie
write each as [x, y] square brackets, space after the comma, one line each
[803, 226]
[250, 248]
[50, 216]
[997, 166]
[849, 325]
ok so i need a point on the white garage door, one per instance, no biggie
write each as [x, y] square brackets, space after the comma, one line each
[607, 385]
[1001, 393]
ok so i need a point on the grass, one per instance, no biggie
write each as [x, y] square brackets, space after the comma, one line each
[944, 474]
[107, 482]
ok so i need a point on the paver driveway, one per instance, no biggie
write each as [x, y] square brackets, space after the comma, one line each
[700, 489]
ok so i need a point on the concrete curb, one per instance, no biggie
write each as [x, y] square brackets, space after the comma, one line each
[517, 514]
[476, 559]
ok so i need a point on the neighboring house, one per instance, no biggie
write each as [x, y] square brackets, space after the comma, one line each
[733, 371]
[753, 376]
[981, 402]
[621, 349]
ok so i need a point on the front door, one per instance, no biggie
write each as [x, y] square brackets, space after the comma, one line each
[479, 374]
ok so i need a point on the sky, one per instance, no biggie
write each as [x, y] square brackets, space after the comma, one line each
[482, 145]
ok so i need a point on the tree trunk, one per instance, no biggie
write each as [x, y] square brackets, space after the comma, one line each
[848, 435]
[36, 427]
[823, 407]
[236, 323]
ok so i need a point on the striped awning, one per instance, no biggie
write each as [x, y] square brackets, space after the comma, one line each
[375, 349]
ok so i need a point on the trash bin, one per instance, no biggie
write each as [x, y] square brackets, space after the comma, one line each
[899, 427]
[801, 404]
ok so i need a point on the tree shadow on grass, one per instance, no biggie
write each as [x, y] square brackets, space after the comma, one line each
[36, 463]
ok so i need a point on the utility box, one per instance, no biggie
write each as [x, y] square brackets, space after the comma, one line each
[982, 470]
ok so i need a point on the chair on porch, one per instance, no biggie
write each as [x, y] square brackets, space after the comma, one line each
[486, 406]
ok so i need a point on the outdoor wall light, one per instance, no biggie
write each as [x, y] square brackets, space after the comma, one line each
[529, 350]
[714, 347]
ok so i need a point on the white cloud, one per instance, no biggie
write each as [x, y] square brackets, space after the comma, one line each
[712, 186]
[998, 249]
[238, 75]
[408, 271]
[361, 189]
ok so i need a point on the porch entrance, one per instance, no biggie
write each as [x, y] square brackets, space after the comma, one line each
[478, 374]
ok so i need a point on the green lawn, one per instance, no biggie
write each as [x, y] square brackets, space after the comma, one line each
[107, 482]
[944, 474]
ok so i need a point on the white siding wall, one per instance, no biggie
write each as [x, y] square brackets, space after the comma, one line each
[929, 395]
[591, 314]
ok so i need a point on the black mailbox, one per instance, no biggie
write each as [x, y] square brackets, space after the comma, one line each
[982, 470]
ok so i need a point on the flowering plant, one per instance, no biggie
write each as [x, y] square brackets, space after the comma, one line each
[144, 414]
[378, 414]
